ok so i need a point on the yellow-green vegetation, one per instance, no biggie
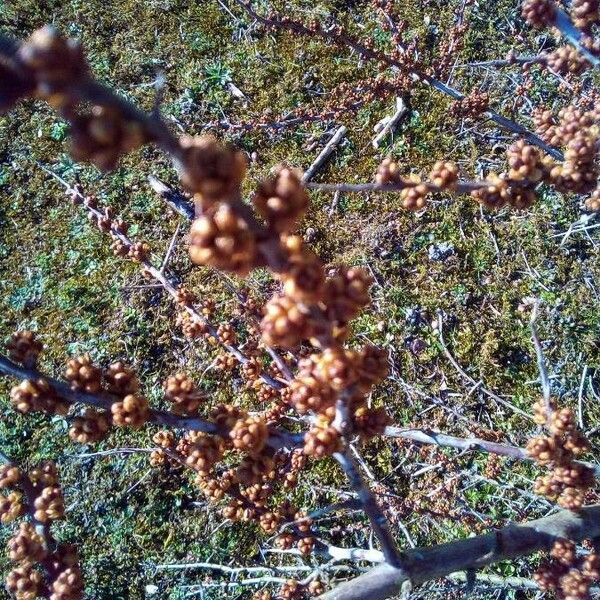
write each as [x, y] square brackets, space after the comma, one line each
[59, 277]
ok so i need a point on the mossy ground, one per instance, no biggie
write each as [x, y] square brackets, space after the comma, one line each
[59, 277]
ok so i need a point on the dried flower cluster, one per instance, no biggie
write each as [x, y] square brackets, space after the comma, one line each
[42, 567]
[568, 480]
[527, 168]
[568, 574]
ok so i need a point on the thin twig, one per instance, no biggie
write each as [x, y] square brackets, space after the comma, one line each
[541, 363]
[392, 122]
[324, 154]
[378, 521]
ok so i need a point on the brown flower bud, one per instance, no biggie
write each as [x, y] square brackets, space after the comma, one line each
[211, 170]
[68, 585]
[269, 521]
[290, 590]
[9, 476]
[83, 374]
[249, 435]
[102, 137]
[121, 379]
[24, 348]
[282, 199]
[139, 251]
[316, 587]
[370, 422]
[495, 194]
[190, 326]
[255, 469]
[444, 174]
[37, 395]
[304, 278]
[346, 293]
[25, 582]
[571, 498]
[306, 545]
[204, 452]
[132, 411]
[225, 416]
[538, 13]
[11, 507]
[545, 450]
[55, 61]
[336, 367]
[310, 394]
[221, 239]
[321, 441]
[49, 505]
[414, 195]
[45, 474]
[525, 162]
[286, 322]
[164, 438]
[91, 426]
[26, 545]
[182, 392]
[565, 60]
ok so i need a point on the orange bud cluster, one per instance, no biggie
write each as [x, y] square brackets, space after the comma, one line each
[310, 394]
[191, 327]
[91, 426]
[538, 13]
[320, 441]
[9, 476]
[579, 172]
[121, 379]
[11, 507]
[346, 293]
[104, 135]
[568, 574]
[49, 505]
[304, 275]
[27, 545]
[566, 60]
[221, 239]
[183, 394]
[55, 63]
[525, 162]
[204, 452]
[444, 174]
[286, 323]
[36, 396]
[23, 347]
[25, 582]
[249, 434]
[495, 194]
[282, 199]
[593, 202]
[212, 170]
[472, 106]
[585, 13]
[567, 481]
[84, 375]
[132, 411]
[30, 549]
[413, 191]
